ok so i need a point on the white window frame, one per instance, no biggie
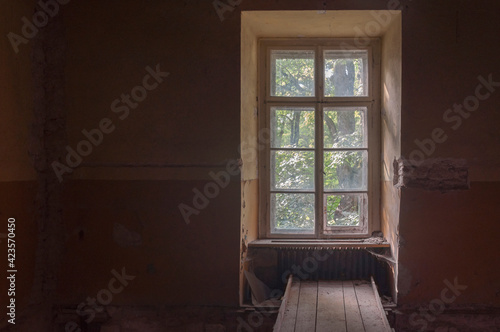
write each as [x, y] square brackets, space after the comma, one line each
[371, 222]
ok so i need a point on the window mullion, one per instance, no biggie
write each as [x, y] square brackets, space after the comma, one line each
[319, 74]
[319, 142]
[319, 169]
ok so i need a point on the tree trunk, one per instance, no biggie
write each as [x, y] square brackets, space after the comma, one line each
[294, 137]
[343, 82]
[331, 126]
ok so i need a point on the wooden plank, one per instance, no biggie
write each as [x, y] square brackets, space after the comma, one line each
[306, 312]
[354, 321]
[324, 306]
[370, 312]
[284, 304]
[330, 315]
[290, 312]
[379, 305]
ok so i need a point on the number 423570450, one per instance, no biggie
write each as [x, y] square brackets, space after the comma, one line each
[11, 243]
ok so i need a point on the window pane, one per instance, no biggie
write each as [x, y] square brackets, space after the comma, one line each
[292, 169]
[345, 209]
[345, 170]
[345, 127]
[292, 127]
[292, 73]
[346, 73]
[292, 213]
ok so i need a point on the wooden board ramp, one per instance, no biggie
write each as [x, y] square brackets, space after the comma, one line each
[331, 306]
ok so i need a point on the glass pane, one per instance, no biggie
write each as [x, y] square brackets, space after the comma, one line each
[345, 127]
[292, 213]
[346, 73]
[292, 170]
[345, 170]
[344, 209]
[292, 127]
[292, 73]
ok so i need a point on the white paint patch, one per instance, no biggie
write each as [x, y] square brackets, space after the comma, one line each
[125, 237]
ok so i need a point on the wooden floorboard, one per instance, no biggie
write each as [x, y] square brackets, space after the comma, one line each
[290, 314]
[354, 322]
[370, 313]
[332, 306]
[306, 312]
[331, 315]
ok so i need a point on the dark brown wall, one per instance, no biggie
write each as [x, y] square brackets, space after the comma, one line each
[449, 236]
[18, 187]
[446, 46]
[188, 126]
[137, 225]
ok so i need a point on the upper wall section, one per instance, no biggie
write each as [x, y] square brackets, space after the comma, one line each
[447, 47]
[16, 98]
[179, 122]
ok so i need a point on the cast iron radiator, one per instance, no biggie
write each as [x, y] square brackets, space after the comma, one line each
[333, 264]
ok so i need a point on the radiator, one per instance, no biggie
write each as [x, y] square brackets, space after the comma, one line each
[332, 264]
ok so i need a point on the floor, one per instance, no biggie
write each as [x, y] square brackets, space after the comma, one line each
[340, 306]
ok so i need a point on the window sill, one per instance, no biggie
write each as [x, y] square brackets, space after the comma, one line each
[371, 242]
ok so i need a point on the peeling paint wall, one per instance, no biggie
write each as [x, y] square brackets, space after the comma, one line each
[249, 226]
[249, 147]
[432, 174]
[391, 137]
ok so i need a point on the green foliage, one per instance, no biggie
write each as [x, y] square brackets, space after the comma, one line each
[294, 211]
[352, 137]
[343, 170]
[293, 169]
[293, 74]
[292, 127]
[342, 210]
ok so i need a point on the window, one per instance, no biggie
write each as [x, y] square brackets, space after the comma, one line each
[319, 118]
